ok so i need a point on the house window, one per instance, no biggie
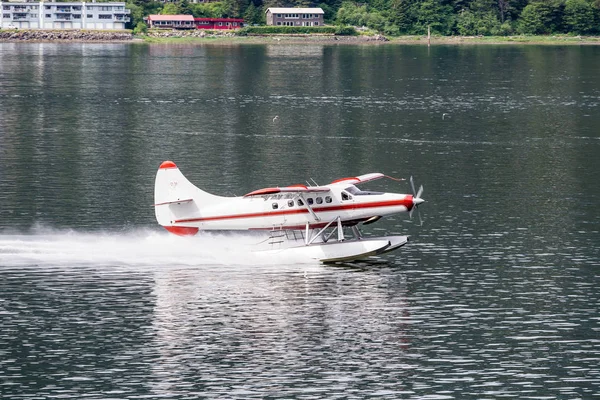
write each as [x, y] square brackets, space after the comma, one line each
[48, 15]
[90, 16]
[316, 23]
[279, 15]
[5, 15]
[278, 23]
[8, 8]
[104, 16]
[76, 16]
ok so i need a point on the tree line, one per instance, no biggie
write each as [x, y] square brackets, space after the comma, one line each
[409, 17]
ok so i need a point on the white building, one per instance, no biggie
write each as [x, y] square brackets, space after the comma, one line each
[72, 15]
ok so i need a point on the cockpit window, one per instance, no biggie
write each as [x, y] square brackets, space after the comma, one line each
[357, 192]
[346, 196]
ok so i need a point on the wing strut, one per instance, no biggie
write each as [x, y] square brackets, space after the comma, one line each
[309, 208]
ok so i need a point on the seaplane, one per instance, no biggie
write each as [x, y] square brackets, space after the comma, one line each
[314, 221]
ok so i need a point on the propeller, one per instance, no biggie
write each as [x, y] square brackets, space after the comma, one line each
[416, 200]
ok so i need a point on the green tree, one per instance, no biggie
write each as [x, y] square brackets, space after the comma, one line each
[579, 17]
[480, 19]
[434, 13]
[141, 9]
[140, 28]
[184, 7]
[399, 14]
[209, 10]
[541, 17]
[235, 8]
[252, 16]
[170, 9]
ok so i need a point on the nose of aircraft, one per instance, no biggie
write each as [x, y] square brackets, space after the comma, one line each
[417, 201]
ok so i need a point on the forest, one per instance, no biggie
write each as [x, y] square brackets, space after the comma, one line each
[409, 17]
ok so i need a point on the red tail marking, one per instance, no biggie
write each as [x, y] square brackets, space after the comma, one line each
[167, 164]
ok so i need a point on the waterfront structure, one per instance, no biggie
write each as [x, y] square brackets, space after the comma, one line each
[218, 23]
[69, 15]
[295, 16]
[170, 21]
[182, 21]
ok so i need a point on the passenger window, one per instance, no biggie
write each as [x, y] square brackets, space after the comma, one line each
[319, 200]
[327, 199]
[309, 200]
[275, 206]
[300, 202]
[290, 203]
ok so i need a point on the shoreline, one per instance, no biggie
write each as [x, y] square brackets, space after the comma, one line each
[228, 37]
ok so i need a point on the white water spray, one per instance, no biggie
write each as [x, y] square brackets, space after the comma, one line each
[136, 248]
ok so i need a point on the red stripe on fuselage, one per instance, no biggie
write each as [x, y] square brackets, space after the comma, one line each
[406, 202]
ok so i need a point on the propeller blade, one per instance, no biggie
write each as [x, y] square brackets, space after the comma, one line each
[412, 184]
[420, 192]
[419, 215]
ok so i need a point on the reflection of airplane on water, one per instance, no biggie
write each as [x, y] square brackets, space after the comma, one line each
[300, 220]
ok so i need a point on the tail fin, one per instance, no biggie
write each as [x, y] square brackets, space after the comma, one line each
[176, 198]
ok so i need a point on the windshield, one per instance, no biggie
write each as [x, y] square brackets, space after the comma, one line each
[357, 192]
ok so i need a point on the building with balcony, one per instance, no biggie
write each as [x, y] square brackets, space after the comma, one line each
[71, 15]
[295, 16]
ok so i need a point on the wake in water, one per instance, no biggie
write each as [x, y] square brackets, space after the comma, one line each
[140, 248]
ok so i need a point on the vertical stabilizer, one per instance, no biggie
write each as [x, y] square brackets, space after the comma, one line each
[176, 198]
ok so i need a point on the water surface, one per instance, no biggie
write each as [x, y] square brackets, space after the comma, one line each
[494, 297]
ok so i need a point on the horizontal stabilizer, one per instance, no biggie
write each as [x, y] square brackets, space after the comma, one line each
[173, 202]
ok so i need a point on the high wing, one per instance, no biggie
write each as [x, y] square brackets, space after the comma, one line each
[288, 189]
[360, 179]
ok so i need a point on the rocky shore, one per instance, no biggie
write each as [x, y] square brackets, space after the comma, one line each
[18, 35]
[314, 37]
[21, 35]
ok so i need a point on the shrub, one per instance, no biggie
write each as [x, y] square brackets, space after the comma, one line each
[271, 30]
[140, 28]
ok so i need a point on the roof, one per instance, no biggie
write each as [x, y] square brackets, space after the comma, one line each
[276, 10]
[179, 17]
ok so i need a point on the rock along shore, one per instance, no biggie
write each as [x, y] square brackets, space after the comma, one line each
[287, 37]
[18, 35]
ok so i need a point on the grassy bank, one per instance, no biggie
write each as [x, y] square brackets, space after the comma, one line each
[368, 39]
[520, 39]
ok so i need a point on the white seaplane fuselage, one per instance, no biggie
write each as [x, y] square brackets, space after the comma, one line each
[184, 209]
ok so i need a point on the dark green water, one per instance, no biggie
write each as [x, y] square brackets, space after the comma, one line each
[494, 297]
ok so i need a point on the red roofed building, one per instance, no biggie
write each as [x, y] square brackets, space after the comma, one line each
[170, 21]
[218, 23]
[181, 21]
